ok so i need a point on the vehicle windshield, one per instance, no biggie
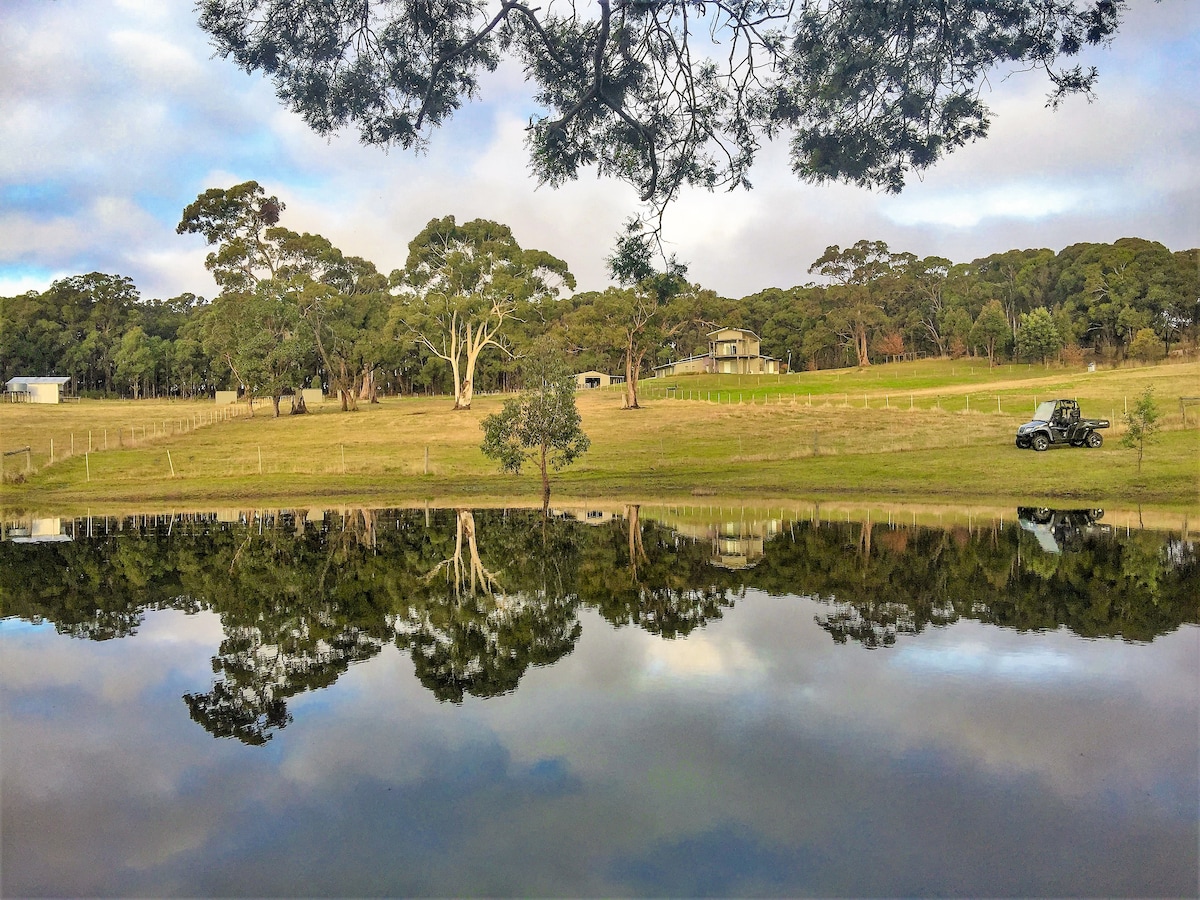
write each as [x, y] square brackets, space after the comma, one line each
[1044, 411]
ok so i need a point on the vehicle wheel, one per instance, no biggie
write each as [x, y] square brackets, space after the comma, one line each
[1094, 439]
[1040, 442]
[1023, 443]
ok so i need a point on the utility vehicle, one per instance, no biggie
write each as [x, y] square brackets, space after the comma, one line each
[1061, 529]
[1058, 422]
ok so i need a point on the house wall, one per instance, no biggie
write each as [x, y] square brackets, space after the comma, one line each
[592, 380]
[691, 366]
[734, 342]
[43, 393]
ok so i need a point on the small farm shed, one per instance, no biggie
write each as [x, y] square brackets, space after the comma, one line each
[36, 389]
[585, 380]
[38, 531]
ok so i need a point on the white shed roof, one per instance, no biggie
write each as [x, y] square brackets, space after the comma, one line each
[16, 384]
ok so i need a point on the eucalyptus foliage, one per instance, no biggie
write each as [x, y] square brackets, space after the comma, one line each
[1141, 424]
[542, 424]
[463, 285]
[667, 93]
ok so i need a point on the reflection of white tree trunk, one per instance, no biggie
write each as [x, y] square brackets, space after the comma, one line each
[637, 553]
[467, 574]
[368, 533]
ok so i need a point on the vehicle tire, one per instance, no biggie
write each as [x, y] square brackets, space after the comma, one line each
[1022, 443]
[1094, 439]
[1040, 442]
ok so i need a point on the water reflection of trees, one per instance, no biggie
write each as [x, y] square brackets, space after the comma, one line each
[476, 599]
[478, 622]
[880, 582]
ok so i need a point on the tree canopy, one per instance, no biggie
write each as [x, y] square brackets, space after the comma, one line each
[542, 424]
[1103, 302]
[462, 284]
[667, 93]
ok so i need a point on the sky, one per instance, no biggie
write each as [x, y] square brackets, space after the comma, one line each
[115, 114]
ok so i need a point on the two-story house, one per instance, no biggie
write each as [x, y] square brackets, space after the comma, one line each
[731, 351]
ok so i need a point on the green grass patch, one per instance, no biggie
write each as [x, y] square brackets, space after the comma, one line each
[856, 442]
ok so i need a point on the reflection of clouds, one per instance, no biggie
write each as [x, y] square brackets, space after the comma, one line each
[980, 661]
[166, 642]
[703, 655]
[938, 769]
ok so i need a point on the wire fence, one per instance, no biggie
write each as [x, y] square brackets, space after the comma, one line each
[23, 462]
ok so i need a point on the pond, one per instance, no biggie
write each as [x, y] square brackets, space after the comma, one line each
[624, 701]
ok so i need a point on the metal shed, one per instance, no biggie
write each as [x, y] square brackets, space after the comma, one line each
[36, 389]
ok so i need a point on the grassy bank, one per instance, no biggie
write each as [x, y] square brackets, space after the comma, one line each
[921, 431]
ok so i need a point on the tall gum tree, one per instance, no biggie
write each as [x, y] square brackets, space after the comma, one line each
[344, 302]
[865, 278]
[284, 295]
[461, 285]
[637, 321]
[652, 308]
[249, 321]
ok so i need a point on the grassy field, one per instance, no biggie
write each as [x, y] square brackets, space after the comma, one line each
[925, 431]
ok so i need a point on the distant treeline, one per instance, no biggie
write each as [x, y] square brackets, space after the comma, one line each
[1131, 298]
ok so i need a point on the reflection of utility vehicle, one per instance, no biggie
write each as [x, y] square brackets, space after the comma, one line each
[1056, 529]
[1058, 422]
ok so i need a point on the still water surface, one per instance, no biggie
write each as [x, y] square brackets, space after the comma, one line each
[383, 702]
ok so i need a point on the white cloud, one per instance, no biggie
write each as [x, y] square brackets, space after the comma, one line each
[967, 209]
[153, 56]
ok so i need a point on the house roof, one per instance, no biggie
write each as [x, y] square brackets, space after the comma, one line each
[739, 330]
[19, 383]
[678, 361]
